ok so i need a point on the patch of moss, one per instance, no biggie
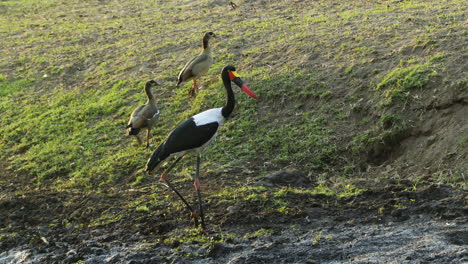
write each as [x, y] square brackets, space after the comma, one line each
[10, 88]
[400, 81]
[388, 121]
[390, 130]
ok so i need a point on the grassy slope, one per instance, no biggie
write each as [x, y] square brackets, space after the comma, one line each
[333, 79]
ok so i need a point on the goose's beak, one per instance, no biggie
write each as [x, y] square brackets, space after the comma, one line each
[239, 82]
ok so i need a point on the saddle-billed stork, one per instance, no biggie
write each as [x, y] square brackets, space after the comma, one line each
[194, 134]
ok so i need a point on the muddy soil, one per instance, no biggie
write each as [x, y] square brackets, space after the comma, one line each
[394, 224]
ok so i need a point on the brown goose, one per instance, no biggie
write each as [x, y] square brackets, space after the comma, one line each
[144, 116]
[199, 65]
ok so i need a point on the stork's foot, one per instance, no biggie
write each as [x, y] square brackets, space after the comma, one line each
[163, 177]
[194, 215]
[207, 232]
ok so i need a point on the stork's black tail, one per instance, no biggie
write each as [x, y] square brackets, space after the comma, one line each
[156, 158]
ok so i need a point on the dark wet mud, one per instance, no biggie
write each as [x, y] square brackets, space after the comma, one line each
[394, 224]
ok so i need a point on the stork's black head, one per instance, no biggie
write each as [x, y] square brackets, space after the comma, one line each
[229, 68]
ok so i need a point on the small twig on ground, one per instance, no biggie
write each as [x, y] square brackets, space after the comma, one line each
[232, 4]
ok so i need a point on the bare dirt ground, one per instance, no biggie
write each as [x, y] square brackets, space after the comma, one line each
[393, 224]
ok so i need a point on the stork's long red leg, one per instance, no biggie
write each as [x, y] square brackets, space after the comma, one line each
[171, 186]
[197, 187]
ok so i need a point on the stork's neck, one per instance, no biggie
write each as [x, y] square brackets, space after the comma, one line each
[149, 94]
[231, 101]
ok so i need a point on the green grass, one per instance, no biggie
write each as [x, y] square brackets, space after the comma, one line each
[10, 89]
[66, 135]
[68, 87]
